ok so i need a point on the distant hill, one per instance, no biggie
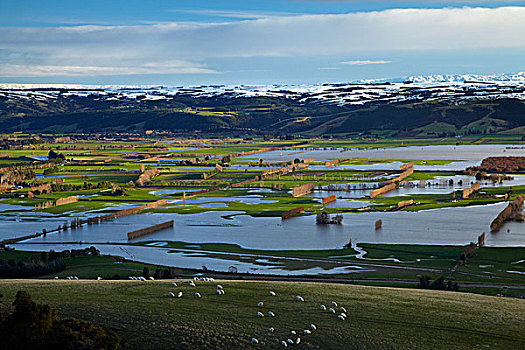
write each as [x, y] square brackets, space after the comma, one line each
[418, 106]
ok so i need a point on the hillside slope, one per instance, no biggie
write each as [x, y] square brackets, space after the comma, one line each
[378, 318]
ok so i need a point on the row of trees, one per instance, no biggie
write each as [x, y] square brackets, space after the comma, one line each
[438, 284]
[44, 264]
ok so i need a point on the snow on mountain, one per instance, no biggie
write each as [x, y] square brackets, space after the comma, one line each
[451, 88]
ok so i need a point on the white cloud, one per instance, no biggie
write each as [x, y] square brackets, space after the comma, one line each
[196, 47]
[27, 70]
[362, 63]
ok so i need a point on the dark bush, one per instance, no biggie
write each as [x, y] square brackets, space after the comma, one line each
[33, 326]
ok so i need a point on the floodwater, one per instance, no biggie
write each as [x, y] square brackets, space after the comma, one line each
[245, 263]
[467, 155]
[447, 226]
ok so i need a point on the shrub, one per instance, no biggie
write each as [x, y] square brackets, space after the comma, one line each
[33, 326]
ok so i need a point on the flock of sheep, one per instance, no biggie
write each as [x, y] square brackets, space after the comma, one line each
[294, 337]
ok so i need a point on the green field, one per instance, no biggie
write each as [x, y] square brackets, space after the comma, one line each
[377, 318]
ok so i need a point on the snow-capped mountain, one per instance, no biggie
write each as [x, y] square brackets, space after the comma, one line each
[452, 88]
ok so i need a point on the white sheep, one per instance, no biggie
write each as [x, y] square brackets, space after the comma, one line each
[306, 331]
[271, 330]
[334, 303]
[173, 284]
[271, 314]
[341, 317]
[171, 295]
[290, 341]
[293, 332]
[56, 277]
[343, 314]
[179, 295]
[195, 278]
[283, 343]
[131, 278]
[332, 311]
[143, 279]
[219, 292]
[299, 298]
[198, 295]
[298, 340]
[260, 314]
[342, 309]
[219, 286]
[312, 326]
[272, 293]
[255, 341]
[323, 307]
[222, 291]
[151, 278]
[260, 304]
[76, 278]
[99, 278]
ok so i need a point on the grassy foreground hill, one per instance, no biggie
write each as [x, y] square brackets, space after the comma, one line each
[145, 316]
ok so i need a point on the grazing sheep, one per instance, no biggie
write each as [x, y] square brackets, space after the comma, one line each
[271, 330]
[76, 278]
[99, 278]
[334, 303]
[306, 331]
[293, 332]
[179, 295]
[271, 314]
[198, 295]
[290, 341]
[299, 298]
[283, 343]
[222, 291]
[171, 295]
[143, 279]
[342, 309]
[312, 326]
[343, 314]
[272, 293]
[130, 277]
[341, 317]
[323, 307]
[298, 340]
[260, 304]
[192, 284]
[56, 277]
[173, 284]
[260, 314]
[195, 278]
[255, 341]
[332, 311]
[219, 292]
[151, 278]
[219, 286]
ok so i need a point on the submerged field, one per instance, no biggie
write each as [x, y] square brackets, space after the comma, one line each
[377, 318]
[226, 197]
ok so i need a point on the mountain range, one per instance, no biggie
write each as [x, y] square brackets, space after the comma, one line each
[435, 105]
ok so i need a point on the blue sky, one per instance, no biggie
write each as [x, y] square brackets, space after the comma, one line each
[255, 42]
